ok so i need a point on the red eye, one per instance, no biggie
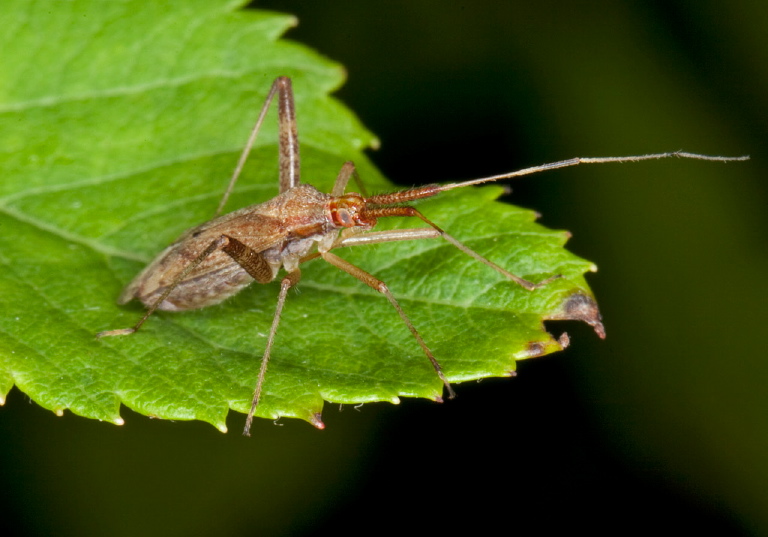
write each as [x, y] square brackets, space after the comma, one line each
[346, 218]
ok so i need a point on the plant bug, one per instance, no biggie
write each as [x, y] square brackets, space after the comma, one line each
[215, 260]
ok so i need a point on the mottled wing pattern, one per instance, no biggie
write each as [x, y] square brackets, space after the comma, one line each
[218, 276]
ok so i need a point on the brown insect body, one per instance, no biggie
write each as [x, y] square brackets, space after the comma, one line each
[214, 261]
[283, 230]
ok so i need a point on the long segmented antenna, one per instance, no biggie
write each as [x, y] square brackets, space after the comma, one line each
[588, 160]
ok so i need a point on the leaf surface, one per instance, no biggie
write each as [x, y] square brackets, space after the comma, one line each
[121, 123]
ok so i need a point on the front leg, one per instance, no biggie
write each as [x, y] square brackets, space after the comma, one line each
[355, 238]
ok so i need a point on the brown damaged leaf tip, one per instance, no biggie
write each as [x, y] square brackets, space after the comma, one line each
[581, 307]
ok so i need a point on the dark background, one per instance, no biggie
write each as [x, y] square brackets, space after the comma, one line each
[661, 427]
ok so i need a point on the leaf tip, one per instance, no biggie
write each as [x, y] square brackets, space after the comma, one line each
[222, 427]
[59, 412]
[118, 421]
[316, 420]
[580, 307]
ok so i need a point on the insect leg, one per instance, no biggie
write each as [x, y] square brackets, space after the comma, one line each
[382, 288]
[289, 139]
[257, 267]
[391, 235]
[525, 284]
[289, 135]
[291, 279]
[340, 186]
[253, 263]
[429, 233]
[215, 245]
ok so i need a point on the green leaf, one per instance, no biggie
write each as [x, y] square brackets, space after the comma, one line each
[121, 123]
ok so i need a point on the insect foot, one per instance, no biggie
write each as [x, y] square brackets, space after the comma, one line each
[118, 332]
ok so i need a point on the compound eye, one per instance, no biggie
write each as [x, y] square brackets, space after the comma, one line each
[346, 211]
[345, 218]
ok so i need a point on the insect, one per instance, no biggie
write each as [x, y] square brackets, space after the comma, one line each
[217, 259]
